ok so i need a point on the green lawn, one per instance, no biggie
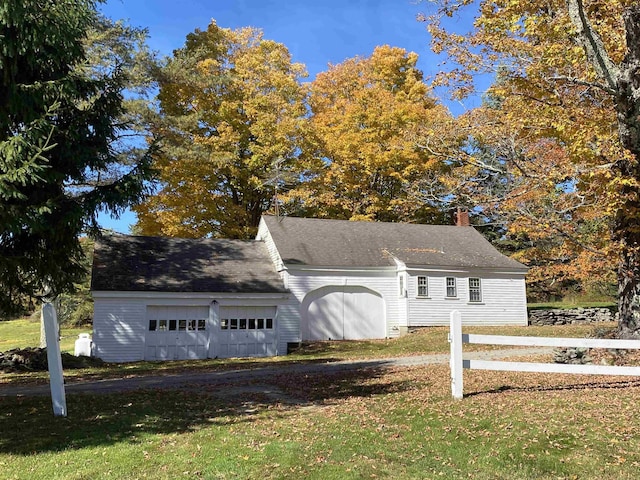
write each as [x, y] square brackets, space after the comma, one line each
[380, 423]
[26, 333]
[399, 424]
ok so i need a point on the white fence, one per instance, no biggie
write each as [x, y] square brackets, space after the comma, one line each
[457, 363]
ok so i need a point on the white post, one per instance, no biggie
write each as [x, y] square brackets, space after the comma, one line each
[455, 362]
[54, 359]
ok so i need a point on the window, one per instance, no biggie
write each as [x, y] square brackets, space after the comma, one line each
[475, 295]
[162, 325]
[451, 287]
[153, 325]
[242, 324]
[202, 324]
[401, 285]
[423, 286]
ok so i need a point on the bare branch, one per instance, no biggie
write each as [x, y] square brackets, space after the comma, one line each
[593, 45]
[577, 81]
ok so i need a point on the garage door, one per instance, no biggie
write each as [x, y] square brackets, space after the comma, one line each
[245, 332]
[343, 313]
[177, 333]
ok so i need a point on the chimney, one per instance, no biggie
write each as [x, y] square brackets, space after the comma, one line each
[462, 217]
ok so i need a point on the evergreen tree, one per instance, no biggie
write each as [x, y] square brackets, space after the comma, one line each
[60, 124]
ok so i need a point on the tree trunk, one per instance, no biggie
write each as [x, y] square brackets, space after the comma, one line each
[629, 295]
[626, 228]
[626, 235]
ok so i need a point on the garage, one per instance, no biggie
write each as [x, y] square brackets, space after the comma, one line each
[184, 333]
[245, 332]
[343, 313]
[177, 332]
[161, 298]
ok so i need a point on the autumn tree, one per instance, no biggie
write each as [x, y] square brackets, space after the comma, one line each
[364, 162]
[568, 81]
[60, 162]
[527, 181]
[230, 110]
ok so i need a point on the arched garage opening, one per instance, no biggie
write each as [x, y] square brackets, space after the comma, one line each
[343, 312]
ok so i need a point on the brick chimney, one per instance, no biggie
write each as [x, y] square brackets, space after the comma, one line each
[462, 217]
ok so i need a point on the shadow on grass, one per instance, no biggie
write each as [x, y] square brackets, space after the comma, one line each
[327, 347]
[114, 371]
[556, 388]
[94, 420]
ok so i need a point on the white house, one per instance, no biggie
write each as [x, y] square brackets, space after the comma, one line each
[158, 298]
[301, 279]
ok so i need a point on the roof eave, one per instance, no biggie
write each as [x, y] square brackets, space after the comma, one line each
[187, 295]
[338, 268]
[498, 269]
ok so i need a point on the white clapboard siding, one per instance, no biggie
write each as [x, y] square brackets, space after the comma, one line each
[503, 294]
[384, 283]
[288, 323]
[503, 299]
[121, 323]
[265, 235]
[119, 328]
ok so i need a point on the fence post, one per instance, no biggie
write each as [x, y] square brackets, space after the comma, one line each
[54, 360]
[455, 362]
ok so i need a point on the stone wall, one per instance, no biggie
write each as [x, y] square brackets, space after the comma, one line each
[576, 315]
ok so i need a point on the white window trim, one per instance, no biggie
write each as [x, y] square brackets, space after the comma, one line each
[402, 285]
[455, 288]
[478, 288]
[426, 285]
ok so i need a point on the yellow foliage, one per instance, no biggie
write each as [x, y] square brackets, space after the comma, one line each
[546, 139]
[367, 115]
[231, 105]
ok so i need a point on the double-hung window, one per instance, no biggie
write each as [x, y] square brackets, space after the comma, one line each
[475, 293]
[451, 287]
[423, 286]
[402, 289]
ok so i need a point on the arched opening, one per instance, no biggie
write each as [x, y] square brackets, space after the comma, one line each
[343, 312]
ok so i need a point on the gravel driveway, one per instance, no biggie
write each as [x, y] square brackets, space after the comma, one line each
[245, 375]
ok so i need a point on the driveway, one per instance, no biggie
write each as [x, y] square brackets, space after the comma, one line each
[240, 376]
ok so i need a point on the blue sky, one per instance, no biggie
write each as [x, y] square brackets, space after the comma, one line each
[316, 32]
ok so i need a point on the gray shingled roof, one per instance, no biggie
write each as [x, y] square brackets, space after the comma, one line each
[342, 243]
[160, 264]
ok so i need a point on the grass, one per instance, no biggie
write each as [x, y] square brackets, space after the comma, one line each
[377, 423]
[423, 342]
[398, 423]
[26, 333]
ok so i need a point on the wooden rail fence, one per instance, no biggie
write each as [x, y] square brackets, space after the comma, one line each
[458, 363]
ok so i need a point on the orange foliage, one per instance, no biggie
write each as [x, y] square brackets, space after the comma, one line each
[366, 113]
[545, 142]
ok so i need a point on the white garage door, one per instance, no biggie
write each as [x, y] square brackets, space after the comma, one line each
[245, 332]
[343, 313]
[177, 333]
